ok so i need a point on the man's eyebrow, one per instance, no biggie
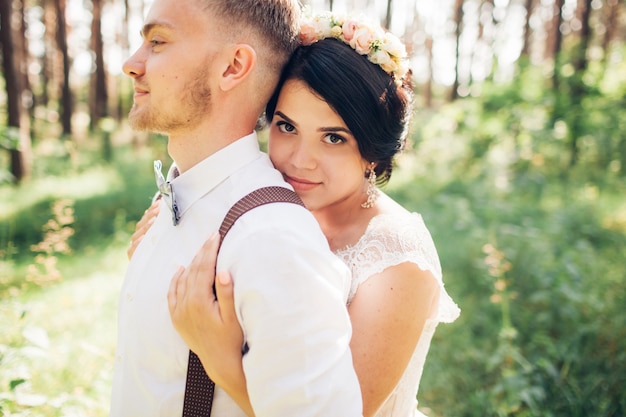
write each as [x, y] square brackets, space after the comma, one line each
[149, 27]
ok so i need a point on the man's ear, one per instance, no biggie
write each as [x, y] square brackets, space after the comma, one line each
[242, 62]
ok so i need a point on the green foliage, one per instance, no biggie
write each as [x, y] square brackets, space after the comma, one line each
[9, 138]
[9, 141]
[103, 201]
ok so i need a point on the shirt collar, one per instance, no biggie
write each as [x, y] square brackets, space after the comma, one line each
[203, 177]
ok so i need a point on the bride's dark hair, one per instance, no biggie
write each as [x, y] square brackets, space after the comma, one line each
[376, 109]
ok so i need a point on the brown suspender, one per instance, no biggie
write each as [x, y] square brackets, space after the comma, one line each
[199, 388]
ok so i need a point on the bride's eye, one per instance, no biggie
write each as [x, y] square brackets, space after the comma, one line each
[334, 139]
[285, 127]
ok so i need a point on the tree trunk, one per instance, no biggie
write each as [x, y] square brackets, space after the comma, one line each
[27, 111]
[23, 58]
[13, 82]
[11, 77]
[485, 26]
[458, 22]
[120, 109]
[66, 93]
[428, 88]
[47, 61]
[555, 40]
[612, 21]
[581, 62]
[578, 87]
[99, 96]
[527, 32]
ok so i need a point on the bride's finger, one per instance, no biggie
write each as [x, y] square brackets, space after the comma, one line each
[148, 216]
[172, 293]
[203, 265]
[134, 242]
[225, 297]
[141, 228]
[182, 276]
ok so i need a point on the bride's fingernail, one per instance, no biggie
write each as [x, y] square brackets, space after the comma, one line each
[223, 278]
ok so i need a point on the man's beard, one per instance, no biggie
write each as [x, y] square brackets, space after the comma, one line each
[193, 106]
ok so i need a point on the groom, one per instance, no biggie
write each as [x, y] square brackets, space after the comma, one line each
[202, 76]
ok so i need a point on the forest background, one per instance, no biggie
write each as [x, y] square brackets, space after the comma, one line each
[517, 163]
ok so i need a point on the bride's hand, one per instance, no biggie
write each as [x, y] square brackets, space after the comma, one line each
[142, 227]
[208, 326]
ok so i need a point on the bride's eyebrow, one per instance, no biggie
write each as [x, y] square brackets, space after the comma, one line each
[333, 129]
[328, 129]
[284, 117]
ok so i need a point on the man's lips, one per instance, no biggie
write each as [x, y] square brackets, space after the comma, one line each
[140, 92]
[301, 184]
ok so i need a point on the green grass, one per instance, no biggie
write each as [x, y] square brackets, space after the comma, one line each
[57, 343]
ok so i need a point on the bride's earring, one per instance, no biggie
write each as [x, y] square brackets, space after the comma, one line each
[372, 191]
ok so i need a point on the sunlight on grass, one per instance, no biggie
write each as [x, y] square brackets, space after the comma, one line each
[57, 344]
[96, 181]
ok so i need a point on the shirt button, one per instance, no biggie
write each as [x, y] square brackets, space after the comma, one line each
[129, 297]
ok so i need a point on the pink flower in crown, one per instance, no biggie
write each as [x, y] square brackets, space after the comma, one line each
[349, 27]
[361, 40]
[308, 34]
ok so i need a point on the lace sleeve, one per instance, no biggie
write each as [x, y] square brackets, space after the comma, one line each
[390, 240]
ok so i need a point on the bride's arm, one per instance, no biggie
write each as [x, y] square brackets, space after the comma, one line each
[195, 313]
[388, 314]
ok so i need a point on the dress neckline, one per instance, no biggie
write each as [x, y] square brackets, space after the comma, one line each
[370, 226]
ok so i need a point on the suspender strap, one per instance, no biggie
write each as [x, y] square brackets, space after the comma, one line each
[199, 388]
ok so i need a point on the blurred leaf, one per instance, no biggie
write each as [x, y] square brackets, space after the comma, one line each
[15, 382]
[10, 138]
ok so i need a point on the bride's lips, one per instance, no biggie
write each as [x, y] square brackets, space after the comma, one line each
[300, 184]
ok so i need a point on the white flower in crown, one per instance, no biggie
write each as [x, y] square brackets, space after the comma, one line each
[381, 48]
[383, 59]
[393, 45]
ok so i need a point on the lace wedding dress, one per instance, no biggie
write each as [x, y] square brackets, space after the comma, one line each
[390, 240]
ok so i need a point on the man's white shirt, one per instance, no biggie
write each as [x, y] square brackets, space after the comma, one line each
[290, 293]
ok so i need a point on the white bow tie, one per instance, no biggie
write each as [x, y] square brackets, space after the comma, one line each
[167, 192]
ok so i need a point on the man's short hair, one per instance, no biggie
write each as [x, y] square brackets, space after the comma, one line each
[271, 26]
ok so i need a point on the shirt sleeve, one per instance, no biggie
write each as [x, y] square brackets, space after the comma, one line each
[290, 300]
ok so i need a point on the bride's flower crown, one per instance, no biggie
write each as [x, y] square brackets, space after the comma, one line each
[381, 47]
